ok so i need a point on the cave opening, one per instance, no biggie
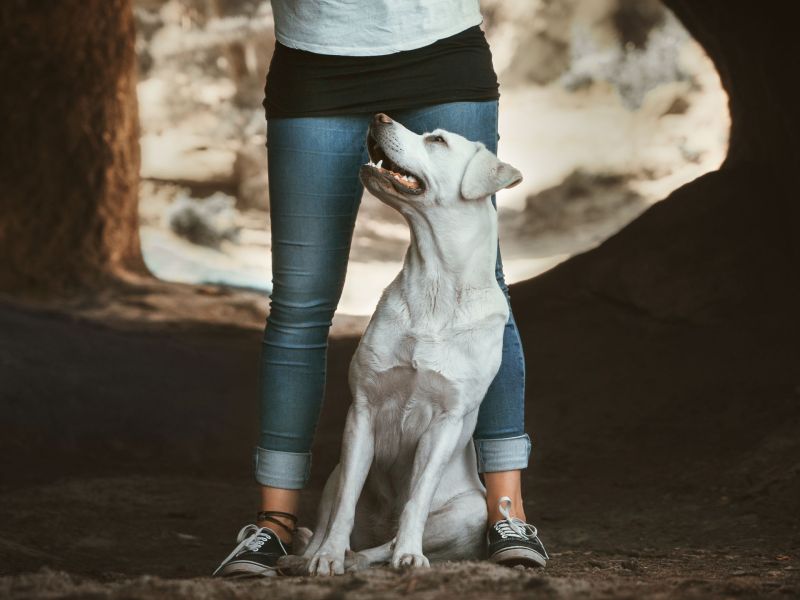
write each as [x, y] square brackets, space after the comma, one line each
[606, 107]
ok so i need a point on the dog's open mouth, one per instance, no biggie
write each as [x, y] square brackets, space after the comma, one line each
[402, 179]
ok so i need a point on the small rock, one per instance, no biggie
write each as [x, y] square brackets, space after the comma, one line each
[596, 563]
[207, 221]
[630, 565]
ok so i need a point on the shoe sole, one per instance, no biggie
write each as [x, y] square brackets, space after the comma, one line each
[512, 557]
[243, 569]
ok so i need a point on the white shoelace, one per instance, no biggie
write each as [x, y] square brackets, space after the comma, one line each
[513, 527]
[251, 537]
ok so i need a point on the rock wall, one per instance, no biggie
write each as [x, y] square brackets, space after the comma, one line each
[755, 50]
[674, 343]
[728, 244]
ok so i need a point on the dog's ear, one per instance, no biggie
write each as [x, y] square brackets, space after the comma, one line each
[486, 174]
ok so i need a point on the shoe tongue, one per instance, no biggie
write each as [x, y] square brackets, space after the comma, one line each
[505, 524]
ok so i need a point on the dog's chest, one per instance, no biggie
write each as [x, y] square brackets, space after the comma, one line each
[400, 366]
[424, 350]
[456, 342]
[451, 354]
[410, 372]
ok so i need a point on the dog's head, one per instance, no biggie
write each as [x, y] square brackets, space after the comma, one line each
[439, 168]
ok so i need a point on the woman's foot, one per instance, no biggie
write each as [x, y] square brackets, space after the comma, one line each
[511, 541]
[256, 555]
[260, 547]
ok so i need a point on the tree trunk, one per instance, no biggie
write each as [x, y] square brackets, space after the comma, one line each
[69, 145]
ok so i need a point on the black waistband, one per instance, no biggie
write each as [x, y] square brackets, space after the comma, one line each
[301, 83]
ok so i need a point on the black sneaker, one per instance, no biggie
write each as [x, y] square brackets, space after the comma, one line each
[256, 555]
[513, 542]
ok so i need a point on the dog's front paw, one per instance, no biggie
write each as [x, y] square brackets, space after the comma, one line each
[407, 560]
[326, 563]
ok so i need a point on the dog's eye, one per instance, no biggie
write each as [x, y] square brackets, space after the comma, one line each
[437, 139]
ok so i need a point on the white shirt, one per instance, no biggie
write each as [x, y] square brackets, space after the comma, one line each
[370, 27]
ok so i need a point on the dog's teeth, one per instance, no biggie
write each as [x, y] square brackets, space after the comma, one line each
[380, 162]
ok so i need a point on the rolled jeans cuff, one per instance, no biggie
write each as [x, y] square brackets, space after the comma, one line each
[504, 454]
[287, 470]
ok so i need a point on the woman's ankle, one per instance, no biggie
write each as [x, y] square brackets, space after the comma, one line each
[498, 485]
[284, 533]
[280, 507]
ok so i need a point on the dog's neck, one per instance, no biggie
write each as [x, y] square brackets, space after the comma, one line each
[446, 266]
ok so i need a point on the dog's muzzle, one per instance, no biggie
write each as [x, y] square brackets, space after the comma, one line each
[403, 180]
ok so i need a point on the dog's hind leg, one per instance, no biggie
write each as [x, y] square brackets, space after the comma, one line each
[455, 531]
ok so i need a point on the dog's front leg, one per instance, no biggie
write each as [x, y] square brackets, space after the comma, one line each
[434, 451]
[358, 448]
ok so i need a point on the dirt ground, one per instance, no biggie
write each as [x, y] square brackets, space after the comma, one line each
[665, 455]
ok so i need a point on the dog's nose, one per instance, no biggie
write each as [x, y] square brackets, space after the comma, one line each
[381, 119]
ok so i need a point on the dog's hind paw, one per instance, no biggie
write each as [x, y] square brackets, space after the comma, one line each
[355, 561]
[301, 538]
[292, 564]
[409, 561]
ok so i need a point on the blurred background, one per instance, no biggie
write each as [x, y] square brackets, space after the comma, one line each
[606, 107]
[662, 356]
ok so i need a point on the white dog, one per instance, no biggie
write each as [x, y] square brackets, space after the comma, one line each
[423, 365]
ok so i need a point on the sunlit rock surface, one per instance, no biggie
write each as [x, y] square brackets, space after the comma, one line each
[614, 89]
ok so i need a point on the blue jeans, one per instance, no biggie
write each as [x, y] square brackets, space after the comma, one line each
[315, 195]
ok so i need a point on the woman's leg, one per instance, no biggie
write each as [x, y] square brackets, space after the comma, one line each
[501, 443]
[315, 194]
